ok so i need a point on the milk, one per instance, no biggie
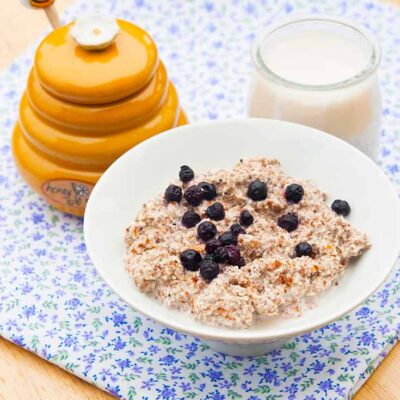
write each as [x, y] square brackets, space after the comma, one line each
[321, 74]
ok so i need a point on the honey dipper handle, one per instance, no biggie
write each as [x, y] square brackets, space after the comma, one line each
[52, 16]
[50, 10]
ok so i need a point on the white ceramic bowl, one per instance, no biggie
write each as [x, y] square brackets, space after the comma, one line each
[337, 168]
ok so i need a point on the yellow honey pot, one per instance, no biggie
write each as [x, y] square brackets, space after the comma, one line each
[84, 107]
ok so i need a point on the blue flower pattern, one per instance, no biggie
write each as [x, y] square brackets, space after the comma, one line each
[53, 302]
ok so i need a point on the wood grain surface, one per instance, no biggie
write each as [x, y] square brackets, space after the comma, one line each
[23, 375]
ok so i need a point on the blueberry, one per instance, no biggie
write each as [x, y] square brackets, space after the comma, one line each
[191, 259]
[237, 229]
[186, 174]
[234, 256]
[208, 189]
[246, 219]
[193, 195]
[221, 255]
[173, 193]
[213, 245]
[294, 193]
[303, 249]
[228, 238]
[190, 219]
[216, 211]
[341, 207]
[209, 270]
[208, 257]
[206, 230]
[241, 263]
[257, 190]
[288, 221]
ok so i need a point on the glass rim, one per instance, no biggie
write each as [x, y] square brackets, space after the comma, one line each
[370, 67]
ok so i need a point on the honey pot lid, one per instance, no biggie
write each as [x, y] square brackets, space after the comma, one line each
[96, 60]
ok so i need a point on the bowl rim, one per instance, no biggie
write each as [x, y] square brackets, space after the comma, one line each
[242, 336]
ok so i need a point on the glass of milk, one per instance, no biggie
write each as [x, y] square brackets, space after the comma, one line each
[320, 72]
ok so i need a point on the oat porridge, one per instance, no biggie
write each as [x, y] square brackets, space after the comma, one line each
[234, 246]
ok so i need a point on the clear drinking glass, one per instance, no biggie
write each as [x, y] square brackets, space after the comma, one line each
[319, 93]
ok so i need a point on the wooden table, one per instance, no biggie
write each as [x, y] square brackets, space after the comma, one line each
[24, 376]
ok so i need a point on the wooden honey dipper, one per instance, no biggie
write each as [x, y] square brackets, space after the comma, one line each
[49, 9]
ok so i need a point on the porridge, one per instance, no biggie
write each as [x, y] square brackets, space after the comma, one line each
[234, 246]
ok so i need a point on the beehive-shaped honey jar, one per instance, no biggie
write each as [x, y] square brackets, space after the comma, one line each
[97, 89]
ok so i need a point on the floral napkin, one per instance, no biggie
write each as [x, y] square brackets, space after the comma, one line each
[52, 301]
